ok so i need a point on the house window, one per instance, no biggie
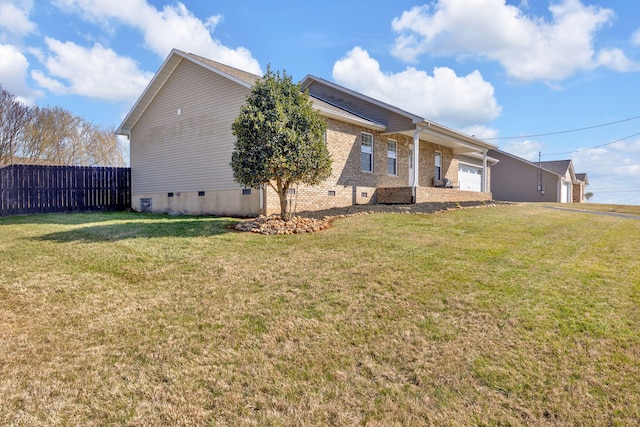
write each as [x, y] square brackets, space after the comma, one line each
[200, 193]
[438, 166]
[332, 193]
[246, 191]
[392, 157]
[366, 152]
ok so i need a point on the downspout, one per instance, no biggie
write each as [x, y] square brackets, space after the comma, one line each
[484, 171]
[416, 152]
[262, 197]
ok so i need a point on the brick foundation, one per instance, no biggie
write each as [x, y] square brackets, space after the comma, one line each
[429, 194]
[395, 195]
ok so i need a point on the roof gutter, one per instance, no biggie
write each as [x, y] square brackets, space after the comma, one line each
[451, 134]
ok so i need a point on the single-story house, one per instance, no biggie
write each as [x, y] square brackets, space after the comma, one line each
[181, 144]
[518, 180]
[579, 187]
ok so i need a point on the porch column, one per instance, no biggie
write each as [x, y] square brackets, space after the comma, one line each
[416, 163]
[484, 171]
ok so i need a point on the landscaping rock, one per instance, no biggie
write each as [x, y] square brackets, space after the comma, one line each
[311, 222]
[275, 225]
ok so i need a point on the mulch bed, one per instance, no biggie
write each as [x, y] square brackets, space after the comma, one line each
[311, 222]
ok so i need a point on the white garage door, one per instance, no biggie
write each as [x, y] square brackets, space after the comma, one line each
[565, 192]
[470, 178]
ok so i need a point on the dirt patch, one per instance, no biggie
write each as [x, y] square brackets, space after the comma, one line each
[312, 221]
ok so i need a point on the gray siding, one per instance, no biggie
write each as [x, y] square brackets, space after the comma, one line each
[517, 181]
[190, 151]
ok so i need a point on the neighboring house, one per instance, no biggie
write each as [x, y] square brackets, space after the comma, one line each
[519, 180]
[181, 145]
[579, 187]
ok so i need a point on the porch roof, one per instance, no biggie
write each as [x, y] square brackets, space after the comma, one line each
[394, 119]
[438, 134]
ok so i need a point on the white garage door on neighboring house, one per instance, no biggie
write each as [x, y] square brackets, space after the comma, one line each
[470, 177]
[565, 192]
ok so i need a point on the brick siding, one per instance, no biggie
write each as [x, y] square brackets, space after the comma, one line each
[349, 185]
[426, 194]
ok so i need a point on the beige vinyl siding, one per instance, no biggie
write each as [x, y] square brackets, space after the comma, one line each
[190, 151]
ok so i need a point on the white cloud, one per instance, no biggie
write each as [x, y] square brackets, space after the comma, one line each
[13, 73]
[14, 20]
[527, 149]
[528, 47]
[95, 72]
[613, 172]
[444, 97]
[172, 27]
[480, 131]
[629, 147]
[635, 38]
[616, 60]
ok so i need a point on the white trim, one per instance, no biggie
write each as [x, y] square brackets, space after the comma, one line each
[416, 161]
[484, 172]
[477, 156]
[411, 166]
[261, 196]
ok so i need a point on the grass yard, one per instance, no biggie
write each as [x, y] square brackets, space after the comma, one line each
[599, 207]
[510, 315]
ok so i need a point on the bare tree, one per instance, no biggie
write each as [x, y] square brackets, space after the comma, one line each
[14, 116]
[48, 136]
[105, 149]
[57, 136]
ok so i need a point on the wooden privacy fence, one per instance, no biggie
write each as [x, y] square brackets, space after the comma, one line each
[34, 189]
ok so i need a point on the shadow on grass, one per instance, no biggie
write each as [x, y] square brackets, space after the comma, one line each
[140, 226]
[70, 218]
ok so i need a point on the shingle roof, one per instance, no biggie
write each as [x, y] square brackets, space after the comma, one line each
[557, 166]
[583, 177]
[333, 110]
[234, 72]
[525, 161]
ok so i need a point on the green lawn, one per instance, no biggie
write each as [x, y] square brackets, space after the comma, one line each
[601, 207]
[509, 315]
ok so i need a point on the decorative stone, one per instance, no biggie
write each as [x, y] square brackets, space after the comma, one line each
[311, 222]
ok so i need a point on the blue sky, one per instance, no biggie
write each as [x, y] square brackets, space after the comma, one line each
[503, 71]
